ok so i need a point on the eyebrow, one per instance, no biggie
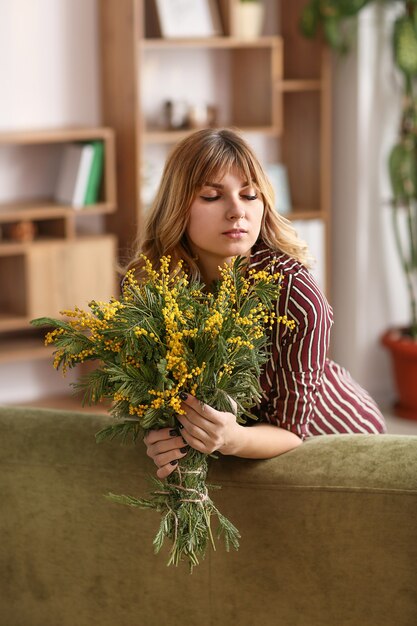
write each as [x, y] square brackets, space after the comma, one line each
[219, 186]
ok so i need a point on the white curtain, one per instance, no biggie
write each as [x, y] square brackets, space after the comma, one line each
[368, 291]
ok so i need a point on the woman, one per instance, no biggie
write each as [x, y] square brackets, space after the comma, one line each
[215, 202]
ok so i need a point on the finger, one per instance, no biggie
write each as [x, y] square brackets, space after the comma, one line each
[195, 428]
[198, 425]
[165, 446]
[152, 436]
[199, 407]
[166, 470]
[198, 439]
[204, 444]
[162, 458]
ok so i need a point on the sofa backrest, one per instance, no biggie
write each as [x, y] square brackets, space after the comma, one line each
[329, 533]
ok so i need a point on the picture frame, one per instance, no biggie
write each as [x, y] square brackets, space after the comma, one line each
[188, 18]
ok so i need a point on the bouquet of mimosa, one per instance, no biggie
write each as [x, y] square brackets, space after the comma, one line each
[163, 336]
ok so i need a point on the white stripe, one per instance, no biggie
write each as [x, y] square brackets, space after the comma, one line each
[332, 406]
[329, 426]
[349, 391]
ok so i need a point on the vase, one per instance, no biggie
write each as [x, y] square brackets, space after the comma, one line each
[403, 351]
[249, 19]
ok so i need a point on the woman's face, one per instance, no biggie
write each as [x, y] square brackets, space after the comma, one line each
[225, 221]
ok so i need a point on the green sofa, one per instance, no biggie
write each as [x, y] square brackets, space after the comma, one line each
[329, 533]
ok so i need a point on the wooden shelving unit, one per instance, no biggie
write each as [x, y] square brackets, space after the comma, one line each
[278, 88]
[60, 267]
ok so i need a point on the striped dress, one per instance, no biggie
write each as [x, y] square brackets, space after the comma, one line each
[302, 390]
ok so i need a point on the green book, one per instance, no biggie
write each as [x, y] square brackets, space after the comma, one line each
[96, 173]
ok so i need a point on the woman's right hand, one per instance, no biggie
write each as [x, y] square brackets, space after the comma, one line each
[165, 447]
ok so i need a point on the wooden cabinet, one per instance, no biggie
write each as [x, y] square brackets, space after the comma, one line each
[64, 264]
[60, 276]
[275, 88]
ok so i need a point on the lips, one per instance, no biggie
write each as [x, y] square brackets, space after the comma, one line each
[235, 231]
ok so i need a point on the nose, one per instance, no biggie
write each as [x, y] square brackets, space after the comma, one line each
[236, 209]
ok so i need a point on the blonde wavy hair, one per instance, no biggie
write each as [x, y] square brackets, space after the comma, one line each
[207, 155]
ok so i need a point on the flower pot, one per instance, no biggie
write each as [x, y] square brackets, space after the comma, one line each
[249, 18]
[403, 350]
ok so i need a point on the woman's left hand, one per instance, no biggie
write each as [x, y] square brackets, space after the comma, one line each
[205, 429]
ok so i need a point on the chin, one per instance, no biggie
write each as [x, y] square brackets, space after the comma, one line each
[240, 248]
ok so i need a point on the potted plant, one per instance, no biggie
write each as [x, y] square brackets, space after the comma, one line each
[249, 18]
[331, 15]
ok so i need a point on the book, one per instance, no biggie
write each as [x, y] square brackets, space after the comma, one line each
[74, 172]
[96, 173]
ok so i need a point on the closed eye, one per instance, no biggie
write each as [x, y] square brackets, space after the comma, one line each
[210, 198]
[214, 198]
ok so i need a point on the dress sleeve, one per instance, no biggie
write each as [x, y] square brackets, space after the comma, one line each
[298, 356]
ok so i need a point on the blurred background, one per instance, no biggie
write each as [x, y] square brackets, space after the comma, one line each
[134, 77]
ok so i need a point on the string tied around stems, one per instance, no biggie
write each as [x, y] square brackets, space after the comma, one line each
[201, 493]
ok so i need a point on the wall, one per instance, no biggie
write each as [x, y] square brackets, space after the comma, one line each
[48, 71]
[48, 77]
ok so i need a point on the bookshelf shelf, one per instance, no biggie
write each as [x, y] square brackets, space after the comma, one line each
[13, 322]
[55, 135]
[172, 136]
[23, 348]
[47, 209]
[223, 43]
[306, 214]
